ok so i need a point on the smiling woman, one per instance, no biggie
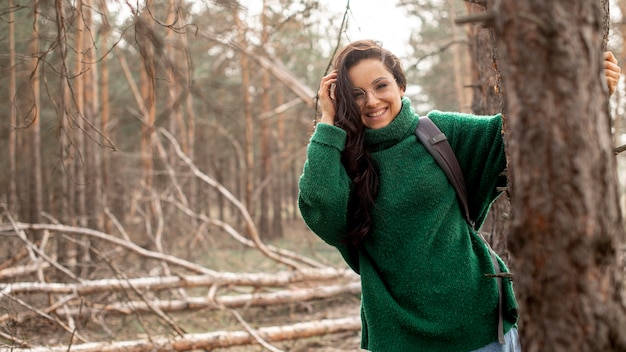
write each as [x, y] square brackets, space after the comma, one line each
[359, 192]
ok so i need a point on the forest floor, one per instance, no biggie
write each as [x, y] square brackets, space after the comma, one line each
[224, 258]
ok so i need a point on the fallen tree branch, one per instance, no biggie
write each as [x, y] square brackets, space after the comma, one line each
[108, 238]
[22, 270]
[212, 340]
[253, 333]
[281, 278]
[206, 302]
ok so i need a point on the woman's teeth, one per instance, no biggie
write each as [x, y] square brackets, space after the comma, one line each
[377, 113]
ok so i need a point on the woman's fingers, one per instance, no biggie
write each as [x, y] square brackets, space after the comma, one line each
[327, 82]
[612, 71]
[327, 97]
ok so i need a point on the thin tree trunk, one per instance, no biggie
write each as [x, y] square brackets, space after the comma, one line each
[566, 223]
[189, 130]
[146, 33]
[12, 202]
[80, 156]
[145, 29]
[92, 153]
[459, 63]
[278, 193]
[66, 253]
[174, 78]
[79, 135]
[34, 130]
[105, 106]
[247, 108]
[265, 207]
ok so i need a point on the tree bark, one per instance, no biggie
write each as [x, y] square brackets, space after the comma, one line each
[34, 130]
[487, 100]
[105, 108]
[12, 202]
[566, 226]
[145, 35]
[247, 114]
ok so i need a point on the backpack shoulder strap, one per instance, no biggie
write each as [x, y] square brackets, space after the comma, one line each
[437, 145]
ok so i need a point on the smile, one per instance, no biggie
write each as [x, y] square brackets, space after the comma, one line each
[378, 113]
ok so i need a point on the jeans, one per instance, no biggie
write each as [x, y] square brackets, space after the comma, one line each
[511, 344]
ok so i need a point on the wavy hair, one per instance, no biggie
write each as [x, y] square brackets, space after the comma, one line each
[359, 164]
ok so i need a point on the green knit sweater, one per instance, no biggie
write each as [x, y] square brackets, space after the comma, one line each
[422, 267]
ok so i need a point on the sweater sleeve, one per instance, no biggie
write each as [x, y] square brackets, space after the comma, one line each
[324, 189]
[478, 144]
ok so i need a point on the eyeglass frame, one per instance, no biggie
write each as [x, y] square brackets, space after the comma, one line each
[371, 90]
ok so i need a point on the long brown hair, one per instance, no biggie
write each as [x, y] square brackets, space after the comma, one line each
[360, 166]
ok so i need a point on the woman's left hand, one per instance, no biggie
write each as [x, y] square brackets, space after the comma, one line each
[612, 71]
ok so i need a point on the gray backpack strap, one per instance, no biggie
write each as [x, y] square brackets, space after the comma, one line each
[437, 145]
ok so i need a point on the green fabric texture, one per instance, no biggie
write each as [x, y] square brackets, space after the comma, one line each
[422, 268]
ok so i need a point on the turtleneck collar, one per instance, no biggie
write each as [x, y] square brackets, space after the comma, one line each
[398, 129]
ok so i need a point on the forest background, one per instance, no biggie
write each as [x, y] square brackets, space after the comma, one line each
[151, 153]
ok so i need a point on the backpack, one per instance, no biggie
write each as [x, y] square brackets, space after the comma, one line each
[437, 145]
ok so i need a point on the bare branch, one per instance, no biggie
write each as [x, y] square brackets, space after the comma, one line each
[105, 237]
[226, 193]
[273, 65]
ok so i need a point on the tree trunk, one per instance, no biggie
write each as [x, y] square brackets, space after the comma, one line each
[76, 251]
[459, 62]
[12, 202]
[105, 106]
[277, 189]
[145, 32]
[66, 253]
[34, 130]
[566, 223]
[92, 152]
[487, 100]
[249, 125]
[266, 156]
[190, 130]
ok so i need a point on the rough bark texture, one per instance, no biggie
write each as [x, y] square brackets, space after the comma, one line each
[566, 225]
[487, 100]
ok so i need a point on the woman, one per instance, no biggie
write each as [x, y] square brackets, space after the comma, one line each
[370, 189]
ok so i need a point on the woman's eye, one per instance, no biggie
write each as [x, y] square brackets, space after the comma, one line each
[357, 95]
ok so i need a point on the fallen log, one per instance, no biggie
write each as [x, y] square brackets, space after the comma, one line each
[281, 278]
[211, 340]
[218, 302]
[23, 270]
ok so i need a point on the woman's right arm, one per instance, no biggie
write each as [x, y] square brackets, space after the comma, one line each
[324, 187]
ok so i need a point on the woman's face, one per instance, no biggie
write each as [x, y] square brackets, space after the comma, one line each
[376, 93]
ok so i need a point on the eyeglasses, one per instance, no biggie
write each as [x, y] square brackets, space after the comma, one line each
[380, 88]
